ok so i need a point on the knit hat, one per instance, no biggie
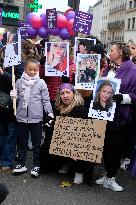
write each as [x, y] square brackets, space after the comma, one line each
[67, 86]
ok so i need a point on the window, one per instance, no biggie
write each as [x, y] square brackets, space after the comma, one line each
[133, 23]
[134, 3]
[129, 23]
[130, 5]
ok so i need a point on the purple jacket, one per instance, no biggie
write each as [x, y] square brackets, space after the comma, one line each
[127, 74]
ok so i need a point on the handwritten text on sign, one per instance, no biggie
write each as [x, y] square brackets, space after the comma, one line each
[82, 139]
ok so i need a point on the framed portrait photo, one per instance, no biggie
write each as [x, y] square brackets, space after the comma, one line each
[87, 71]
[57, 59]
[11, 49]
[83, 46]
[102, 105]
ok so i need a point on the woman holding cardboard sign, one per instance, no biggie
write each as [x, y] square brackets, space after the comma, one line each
[69, 103]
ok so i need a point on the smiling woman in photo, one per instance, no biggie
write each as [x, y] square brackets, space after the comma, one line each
[103, 100]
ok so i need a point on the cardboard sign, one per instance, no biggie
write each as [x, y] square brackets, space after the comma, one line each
[77, 138]
[51, 18]
[82, 22]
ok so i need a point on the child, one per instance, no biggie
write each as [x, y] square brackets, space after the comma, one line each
[32, 96]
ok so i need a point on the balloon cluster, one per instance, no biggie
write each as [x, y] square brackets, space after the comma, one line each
[64, 25]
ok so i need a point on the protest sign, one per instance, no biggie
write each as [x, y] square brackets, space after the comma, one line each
[83, 46]
[82, 22]
[88, 70]
[102, 106]
[57, 63]
[11, 49]
[77, 138]
[23, 29]
[51, 18]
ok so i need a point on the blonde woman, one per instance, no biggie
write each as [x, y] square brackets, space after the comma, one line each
[132, 48]
[69, 103]
[57, 56]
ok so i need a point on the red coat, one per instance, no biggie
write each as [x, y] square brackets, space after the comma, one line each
[52, 82]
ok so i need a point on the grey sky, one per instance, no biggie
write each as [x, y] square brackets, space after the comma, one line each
[61, 5]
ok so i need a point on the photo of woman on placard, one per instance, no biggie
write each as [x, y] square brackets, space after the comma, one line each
[103, 99]
[11, 50]
[102, 105]
[57, 57]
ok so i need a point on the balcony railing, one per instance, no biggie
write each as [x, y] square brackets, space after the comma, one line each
[116, 25]
[117, 9]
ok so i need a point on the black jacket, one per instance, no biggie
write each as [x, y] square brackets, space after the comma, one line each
[6, 86]
[98, 106]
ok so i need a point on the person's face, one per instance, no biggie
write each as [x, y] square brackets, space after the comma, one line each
[66, 96]
[31, 69]
[88, 63]
[58, 50]
[115, 54]
[82, 49]
[92, 64]
[105, 93]
[132, 49]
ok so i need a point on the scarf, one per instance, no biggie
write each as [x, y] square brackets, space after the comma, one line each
[27, 83]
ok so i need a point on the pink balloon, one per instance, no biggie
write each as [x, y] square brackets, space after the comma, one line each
[36, 21]
[61, 21]
[70, 26]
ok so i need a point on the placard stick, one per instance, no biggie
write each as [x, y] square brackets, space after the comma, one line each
[14, 87]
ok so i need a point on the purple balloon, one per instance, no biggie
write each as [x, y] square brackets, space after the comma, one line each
[28, 17]
[64, 33]
[42, 32]
[70, 15]
[32, 32]
[43, 16]
[53, 32]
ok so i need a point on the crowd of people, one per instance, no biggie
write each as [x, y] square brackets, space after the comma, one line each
[41, 98]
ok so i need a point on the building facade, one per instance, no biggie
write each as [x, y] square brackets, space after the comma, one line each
[12, 13]
[104, 26]
[116, 22]
[97, 18]
[130, 21]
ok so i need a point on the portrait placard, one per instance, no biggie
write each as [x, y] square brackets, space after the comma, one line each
[83, 46]
[87, 71]
[57, 59]
[77, 138]
[11, 49]
[102, 106]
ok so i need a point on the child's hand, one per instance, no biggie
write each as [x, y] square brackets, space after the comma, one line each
[13, 94]
[49, 120]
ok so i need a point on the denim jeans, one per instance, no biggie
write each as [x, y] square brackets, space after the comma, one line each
[8, 133]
